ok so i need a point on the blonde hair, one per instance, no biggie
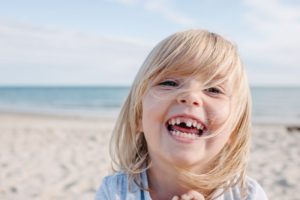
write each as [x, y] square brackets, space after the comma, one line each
[216, 60]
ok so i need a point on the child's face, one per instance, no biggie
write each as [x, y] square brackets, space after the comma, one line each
[173, 121]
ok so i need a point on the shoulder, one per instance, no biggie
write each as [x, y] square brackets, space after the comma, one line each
[116, 179]
[255, 191]
[112, 185]
[116, 186]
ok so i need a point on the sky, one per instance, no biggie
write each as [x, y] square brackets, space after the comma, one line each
[104, 42]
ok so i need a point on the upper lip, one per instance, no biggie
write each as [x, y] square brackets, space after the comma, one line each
[190, 117]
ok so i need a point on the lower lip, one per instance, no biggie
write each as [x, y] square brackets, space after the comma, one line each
[183, 139]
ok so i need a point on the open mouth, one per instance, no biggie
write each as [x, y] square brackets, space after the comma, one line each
[185, 127]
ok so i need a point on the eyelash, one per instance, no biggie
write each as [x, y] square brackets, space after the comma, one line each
[214, 90]
[169, 83]
[211, 90]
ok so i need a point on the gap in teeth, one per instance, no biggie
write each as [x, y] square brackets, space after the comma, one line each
[188, 123]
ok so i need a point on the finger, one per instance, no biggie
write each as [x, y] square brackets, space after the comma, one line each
[175, 198]
[195, 195]
[186, 197]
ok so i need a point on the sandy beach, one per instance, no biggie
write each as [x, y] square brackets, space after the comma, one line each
[54, 157]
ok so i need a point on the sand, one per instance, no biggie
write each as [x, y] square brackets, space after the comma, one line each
[52, 157]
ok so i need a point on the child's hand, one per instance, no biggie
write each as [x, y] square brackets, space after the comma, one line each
[190, 195]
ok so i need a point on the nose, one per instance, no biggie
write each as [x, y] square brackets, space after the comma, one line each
[190, 98]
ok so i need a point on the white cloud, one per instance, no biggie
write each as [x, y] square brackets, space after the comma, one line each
[162, 7]
[90, 58]
[276, 43]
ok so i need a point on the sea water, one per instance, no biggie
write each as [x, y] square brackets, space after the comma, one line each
[271, 104]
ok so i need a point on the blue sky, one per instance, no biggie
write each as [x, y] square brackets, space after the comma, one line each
[96, 42]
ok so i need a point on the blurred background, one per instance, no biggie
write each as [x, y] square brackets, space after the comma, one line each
[47, 45]
[66, 67]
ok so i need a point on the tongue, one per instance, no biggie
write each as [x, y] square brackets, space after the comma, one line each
[185, 130]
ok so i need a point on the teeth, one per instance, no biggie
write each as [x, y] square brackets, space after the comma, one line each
[173, 122]
[185, 135]
[194, 123]
[192, 136]
[189, 124]
[199, 126]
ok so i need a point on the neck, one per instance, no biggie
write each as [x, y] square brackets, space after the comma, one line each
[164, 182]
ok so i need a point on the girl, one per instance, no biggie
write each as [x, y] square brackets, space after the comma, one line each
[184, 130]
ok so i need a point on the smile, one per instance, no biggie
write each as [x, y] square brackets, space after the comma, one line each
[185, 127]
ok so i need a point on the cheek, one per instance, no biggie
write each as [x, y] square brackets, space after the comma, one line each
[218, 113]
[215, 144]
[152, 111]
[223, 112]
[149, 104]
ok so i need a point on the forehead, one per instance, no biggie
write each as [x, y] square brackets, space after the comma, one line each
[208, 75]
[212, 67]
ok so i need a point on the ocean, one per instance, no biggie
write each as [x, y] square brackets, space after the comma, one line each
[270, 104]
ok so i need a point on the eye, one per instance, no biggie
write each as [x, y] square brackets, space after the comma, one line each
[214, 90]
[169, 83]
